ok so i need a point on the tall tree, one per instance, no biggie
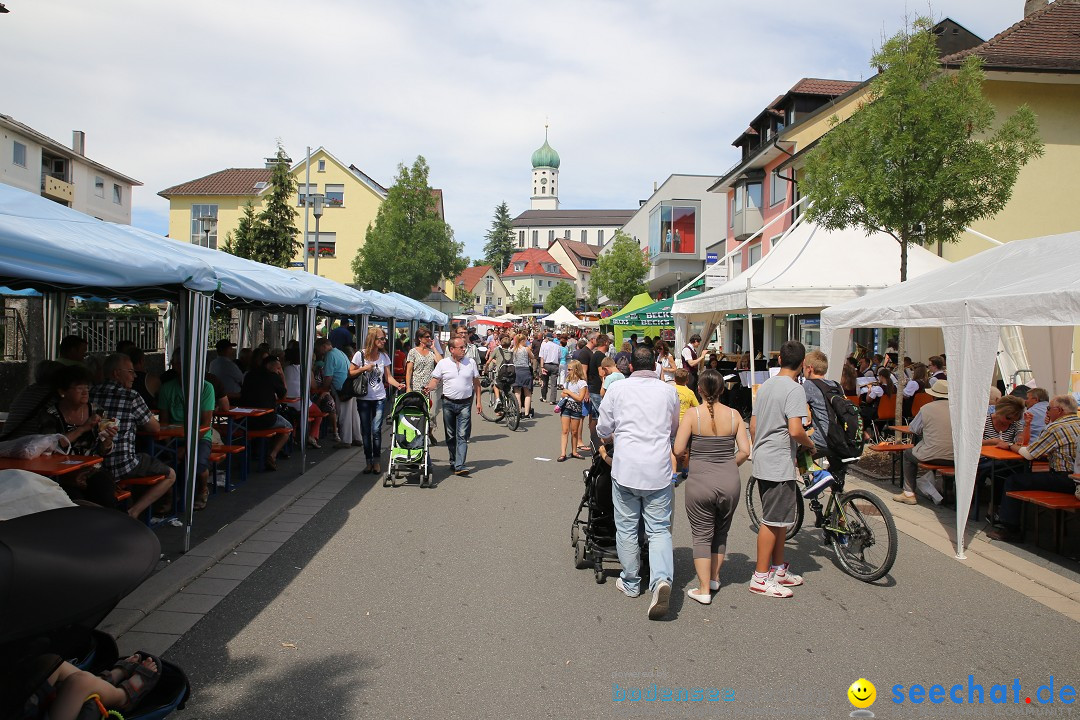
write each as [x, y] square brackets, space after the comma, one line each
[500, 239]
[408, 247]
[620, 272]
[562, 294]
[919, 159]
[522, 301]
[270, 236]
[465, 299]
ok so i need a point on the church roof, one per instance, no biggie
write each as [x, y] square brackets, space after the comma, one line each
[545, 155]
[573, 218]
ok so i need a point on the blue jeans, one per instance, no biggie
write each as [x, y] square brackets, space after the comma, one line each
[371, 413]
[457, 424]
[654, 506]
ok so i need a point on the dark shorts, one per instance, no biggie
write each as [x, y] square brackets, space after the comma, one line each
[202, 460]
[778, 503]
[523, 378]
[147, 466]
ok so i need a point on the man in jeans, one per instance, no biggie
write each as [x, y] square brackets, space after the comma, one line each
[776, 428]
[641, 413]
[460, 380]
[549, 379]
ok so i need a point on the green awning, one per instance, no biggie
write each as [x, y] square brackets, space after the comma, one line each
[658, 314]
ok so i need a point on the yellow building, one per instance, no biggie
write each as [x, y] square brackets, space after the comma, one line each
[352, 201]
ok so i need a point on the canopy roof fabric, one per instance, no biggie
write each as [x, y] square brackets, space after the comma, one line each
[45, 245]
[812, 268]
[420, 311]
[562, 316]
[658, 314]
[482, 320]
[638, 301]
[335, 298]
[511, 317]
[1033, 283]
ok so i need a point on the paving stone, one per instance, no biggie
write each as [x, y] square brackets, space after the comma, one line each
[244, 558]
[153, 643]
[306, 502]
[186, 602]
[263, 546]
[289, 527]
[212, 586]
[120, 620]
[167, 622]
[268, 535]
[225, 571]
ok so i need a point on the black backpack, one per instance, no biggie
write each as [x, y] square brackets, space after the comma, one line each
[506, 373]
[845, 437]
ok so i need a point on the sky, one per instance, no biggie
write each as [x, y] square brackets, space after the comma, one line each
[633, 90]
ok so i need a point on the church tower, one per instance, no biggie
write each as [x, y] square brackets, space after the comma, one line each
[545, 176]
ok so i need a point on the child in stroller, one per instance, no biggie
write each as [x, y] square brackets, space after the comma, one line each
[409, 441]
[67, 689]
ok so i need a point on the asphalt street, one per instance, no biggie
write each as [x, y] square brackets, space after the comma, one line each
[462, 601]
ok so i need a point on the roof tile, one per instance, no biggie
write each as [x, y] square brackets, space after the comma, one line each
[533, 259]
[1047, 40]
[470, 276]
[233, 181]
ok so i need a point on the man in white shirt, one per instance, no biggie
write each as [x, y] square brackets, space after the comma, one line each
[641, 413]
[225, 369]
[549, 356]
[460, 380]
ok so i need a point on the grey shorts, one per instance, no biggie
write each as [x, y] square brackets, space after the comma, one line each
[147, 466]
[778, 503]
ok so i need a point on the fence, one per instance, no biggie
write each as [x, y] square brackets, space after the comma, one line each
[13, 336]
[104, 330]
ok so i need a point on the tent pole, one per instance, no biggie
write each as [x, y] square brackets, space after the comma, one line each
[196, 322]
[750, 324]
[306, 323]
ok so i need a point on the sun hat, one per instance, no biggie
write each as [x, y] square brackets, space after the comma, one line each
[940, 389]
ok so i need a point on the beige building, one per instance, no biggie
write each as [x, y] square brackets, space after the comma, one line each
[486, 287]
[578, 260]
[36, 163]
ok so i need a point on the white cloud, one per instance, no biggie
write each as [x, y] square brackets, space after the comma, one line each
[634, 90]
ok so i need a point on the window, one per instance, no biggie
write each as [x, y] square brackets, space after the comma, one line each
[584, 236]
[335, 195]
[567, 235]
[490, 286]
[261, 185]
[477, 300]
[599, 237]
[327, 244]
[99, 186]
[519, 267]
[739, 192]
[774, 241]
[753, 195]
[322, 166]
[117, 194]
[536, 238]
[540, 299]
[731, 211]
[551, 237]
[754, 254]
[18, 154]
[498, 302]
[777, 188]
[513, 283]
[543, 190]
[198, 237]
[302, 191]
[521, 238]
[673, 229]
[736, 263]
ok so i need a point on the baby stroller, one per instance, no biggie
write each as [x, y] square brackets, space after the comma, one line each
[593, 536]
[409, 444]
[61, 572]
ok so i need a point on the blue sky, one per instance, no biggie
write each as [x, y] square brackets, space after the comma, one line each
[634, 91]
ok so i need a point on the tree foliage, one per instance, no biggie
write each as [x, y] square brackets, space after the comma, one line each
[919, 159]
[409, 247]
[465, 299]
[522, 301]
[562, 294]
[270, 236]
[620, 272]
[500, 239]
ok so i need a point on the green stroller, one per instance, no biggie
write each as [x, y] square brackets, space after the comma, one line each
[409, 455]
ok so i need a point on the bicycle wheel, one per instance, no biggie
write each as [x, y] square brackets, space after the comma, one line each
[512, 411]
[487, 405]
[863, 535]
[753, 501]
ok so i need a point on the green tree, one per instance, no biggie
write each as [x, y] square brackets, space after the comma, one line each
[919, 159]
[241, 242]
[620, 272]
[464, 298]
[408, 247]
[500, 239]
[270, 237]
[562, 294]
[522, 302]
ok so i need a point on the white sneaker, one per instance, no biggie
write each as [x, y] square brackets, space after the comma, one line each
[703, 598]
[659, 606]
[622, 588]
[783, 576]
[769, 588]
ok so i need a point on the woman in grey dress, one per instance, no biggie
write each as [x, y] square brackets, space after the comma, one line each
[419, 365]
[717, 441]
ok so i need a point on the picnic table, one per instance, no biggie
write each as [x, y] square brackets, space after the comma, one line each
[1001, 455]
[50, 465]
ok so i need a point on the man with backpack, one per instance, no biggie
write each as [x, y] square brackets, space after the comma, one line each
[837, 427]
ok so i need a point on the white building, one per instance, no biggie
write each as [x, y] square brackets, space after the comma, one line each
[38, 164]
[682, 226]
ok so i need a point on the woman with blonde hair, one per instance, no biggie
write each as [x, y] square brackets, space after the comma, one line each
[524, 372]
[665, 363]
[573, 396]
[374, 361]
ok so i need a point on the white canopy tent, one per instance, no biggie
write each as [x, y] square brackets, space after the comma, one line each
[562, 316]
[508, 317]
[1032, 283]
[810, 269]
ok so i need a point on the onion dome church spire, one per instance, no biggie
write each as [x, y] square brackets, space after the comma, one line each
[545, 176]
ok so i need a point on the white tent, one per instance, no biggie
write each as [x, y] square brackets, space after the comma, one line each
[508, 317]
[562, 316]
[1031, 283]
[810, 269]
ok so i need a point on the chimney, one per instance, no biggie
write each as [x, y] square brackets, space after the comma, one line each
[78, 142]
[1034, 6]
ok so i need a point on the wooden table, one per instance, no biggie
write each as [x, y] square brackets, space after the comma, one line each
[50, 465]
[997, 454]
[894, 449]
[902, 429]
[237, 417]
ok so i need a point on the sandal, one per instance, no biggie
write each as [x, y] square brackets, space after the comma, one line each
[579, 457]
[583, 448]
[561, 458]
[200, 501]
[271, 462]
[141, 680]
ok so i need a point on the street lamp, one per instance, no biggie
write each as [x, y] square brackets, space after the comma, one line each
[316, 210]
[207, 223]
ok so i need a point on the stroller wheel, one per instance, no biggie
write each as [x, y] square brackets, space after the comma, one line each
[388, 481]
[575, 534]
[580, 560]
[599, 575]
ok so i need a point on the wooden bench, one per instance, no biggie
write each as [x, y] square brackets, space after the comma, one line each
[122, 495]
[125, 485]
[948, 477]
[894, 450]
[264, 436]
[1060, 503]
[230, 450]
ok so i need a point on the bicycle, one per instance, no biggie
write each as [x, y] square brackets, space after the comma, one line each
[857, 523]
[505, 407]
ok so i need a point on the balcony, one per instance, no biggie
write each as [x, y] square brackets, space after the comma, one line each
[746, 222]
[56, 189]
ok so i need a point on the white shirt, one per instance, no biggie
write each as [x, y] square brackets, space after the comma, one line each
[642, 413]
[292, 384]
[549, 352]
[376, 388]
[456, 378]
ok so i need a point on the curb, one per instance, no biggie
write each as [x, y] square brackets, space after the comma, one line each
[188, 569]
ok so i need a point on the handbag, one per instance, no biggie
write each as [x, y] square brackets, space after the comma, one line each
[361, 382]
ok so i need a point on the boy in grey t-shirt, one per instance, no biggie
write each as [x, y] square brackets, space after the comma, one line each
[777, 430]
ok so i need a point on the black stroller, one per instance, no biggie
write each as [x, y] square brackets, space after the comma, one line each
[593, 536]
[61, 572]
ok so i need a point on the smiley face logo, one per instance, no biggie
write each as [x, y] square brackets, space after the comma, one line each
[862, 693]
